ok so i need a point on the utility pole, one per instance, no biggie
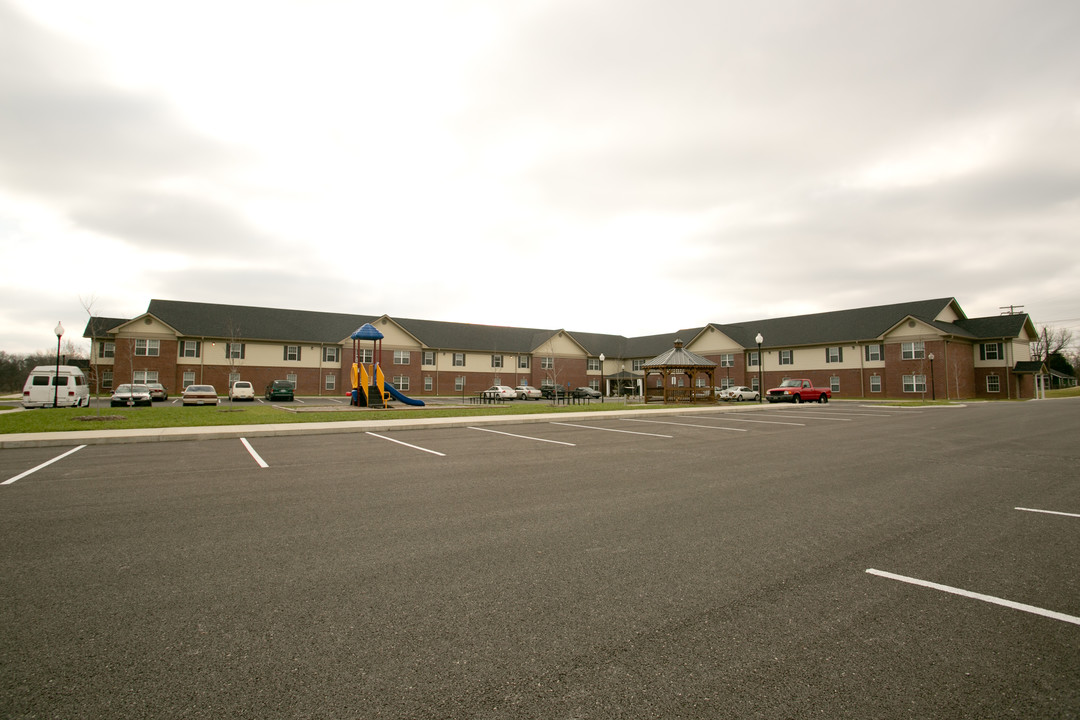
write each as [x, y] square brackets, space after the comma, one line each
[1010, 309]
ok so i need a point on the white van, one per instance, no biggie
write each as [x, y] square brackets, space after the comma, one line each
[69, 387]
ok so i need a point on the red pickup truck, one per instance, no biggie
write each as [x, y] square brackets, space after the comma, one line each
[798, 390]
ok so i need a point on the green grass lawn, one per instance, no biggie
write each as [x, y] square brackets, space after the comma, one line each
[63, 419]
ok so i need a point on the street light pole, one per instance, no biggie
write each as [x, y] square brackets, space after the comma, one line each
[603, 390]
[933, 390]
[760, 362]
[59, 330]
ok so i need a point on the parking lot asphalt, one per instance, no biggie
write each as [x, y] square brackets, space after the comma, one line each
[838, 561]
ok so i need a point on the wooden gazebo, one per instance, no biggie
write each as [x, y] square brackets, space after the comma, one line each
[673, 363]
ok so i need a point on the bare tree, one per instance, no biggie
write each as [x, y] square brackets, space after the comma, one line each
[1051, 341]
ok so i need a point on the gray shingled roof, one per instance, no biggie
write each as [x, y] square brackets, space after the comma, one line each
[194, 319]
[481, 338]
[678, 357]
[840, 326]
[99, 327]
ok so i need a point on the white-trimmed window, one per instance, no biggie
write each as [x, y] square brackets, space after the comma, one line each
[234, 351]
[459, 383]
[106, 350]
[401, 382]
[190, 348]
[331, 354]
[330, 381]
[147, 348]
[459, 359]
[365, 355]
[595, 385]
[106, 379]
[834, 383]
[429, 384]
[523, 362]
[992, 351]
[233, 377]
[636, 365]
[141, 377]
[993, 384]
[291, 377]
[834, 354]
[914, 383]
[189, 378]
[913, 350]
[292, 353]
[592, 364]
[875, 383]
[727, 360]
[402, 357]
[428, 357]
[701, 381]
[726, 383]
[547, 363]
[787, 357]
[496, 380]
[753, 359]
[754, 383]
[873, 353]
[496, 362]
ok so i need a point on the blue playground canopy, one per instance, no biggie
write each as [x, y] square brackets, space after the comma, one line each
[366, 332]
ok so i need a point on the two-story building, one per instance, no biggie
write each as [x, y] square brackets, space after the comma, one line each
[926, 348]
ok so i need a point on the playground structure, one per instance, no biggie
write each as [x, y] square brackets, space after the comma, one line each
[369, 388]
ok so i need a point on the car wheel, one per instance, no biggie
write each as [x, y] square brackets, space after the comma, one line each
[798, 399]
[823, 399]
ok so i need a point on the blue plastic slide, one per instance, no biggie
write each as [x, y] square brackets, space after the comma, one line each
[397, 394]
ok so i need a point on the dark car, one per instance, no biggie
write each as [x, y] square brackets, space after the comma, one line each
[279, 390]
[586, 392]
[549, 391]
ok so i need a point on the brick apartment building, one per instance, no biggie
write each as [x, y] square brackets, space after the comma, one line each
[926, 348]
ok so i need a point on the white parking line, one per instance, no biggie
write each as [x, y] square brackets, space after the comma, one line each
[977, 596]
[414, 447]
[1049, 512]
[523, 437]
[628, 432]
[258, 458]
[20, 476]
[707, 427]
[728, 418]
[815, 417]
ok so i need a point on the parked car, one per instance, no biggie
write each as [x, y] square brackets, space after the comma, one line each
[45, 385]
[130, 395]
[157, 391]
[550, 391]
[279, 390]
[738, 393]
[798, 390]
[586, 392]
[502, 392]
[242, 390]
[200, 395]
[527, 392]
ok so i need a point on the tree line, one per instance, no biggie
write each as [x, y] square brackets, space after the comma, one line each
[16, 367]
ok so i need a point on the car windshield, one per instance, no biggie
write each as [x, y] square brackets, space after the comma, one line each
[123, 388]
[199, 388]
[791, 383]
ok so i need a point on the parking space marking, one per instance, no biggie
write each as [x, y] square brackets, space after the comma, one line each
[20, 476]
[258, 458]
[707, 427]
[523, 437]
[856, 413]
[978, 596]
[628, 432]
[815, 417]
[727, 418]
[1049, 512]
[414, 447]
[892, 409]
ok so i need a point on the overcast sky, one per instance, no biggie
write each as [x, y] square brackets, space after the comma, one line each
[623, 166]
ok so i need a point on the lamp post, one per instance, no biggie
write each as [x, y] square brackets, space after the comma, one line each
[59, 330]
[933, 390]
[603, 390]
[760, 380]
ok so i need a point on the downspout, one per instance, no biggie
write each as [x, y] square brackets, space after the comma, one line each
[947, 370]
[1008, 370]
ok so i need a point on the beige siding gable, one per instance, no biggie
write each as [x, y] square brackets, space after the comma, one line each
[559, 345]
[712, 342]
[912, 329]
[146, 326]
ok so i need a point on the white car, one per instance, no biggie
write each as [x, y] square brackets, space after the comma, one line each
[527, 392]
[738, 393]
[242, 390]
[501, 392]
